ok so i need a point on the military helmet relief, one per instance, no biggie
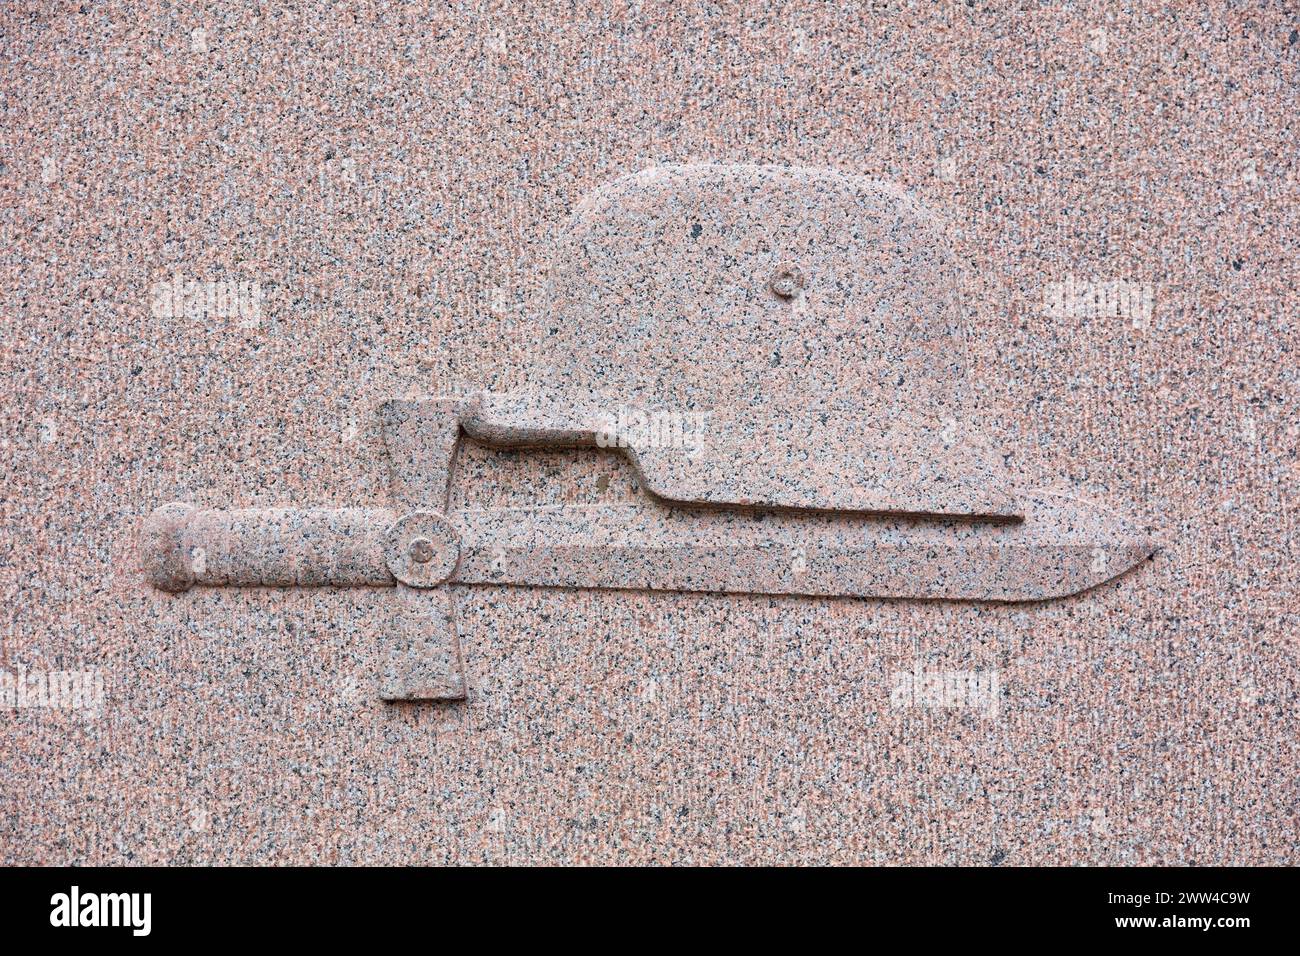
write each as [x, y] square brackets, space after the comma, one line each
[791, 342]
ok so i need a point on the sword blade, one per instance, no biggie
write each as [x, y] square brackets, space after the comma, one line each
[1063, 546]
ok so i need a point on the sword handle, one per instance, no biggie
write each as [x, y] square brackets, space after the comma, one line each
[185, 546]
[417, 553]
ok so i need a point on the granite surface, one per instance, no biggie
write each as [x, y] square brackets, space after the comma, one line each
[229, 235]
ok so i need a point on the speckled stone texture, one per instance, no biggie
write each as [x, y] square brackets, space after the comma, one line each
[393, 180]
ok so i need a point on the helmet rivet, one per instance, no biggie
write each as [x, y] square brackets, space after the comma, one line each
[786, 281]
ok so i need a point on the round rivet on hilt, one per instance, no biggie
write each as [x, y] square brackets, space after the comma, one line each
[786, 282]
[423, 549]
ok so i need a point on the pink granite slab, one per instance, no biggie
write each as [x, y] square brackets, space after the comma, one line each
[392, 179]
